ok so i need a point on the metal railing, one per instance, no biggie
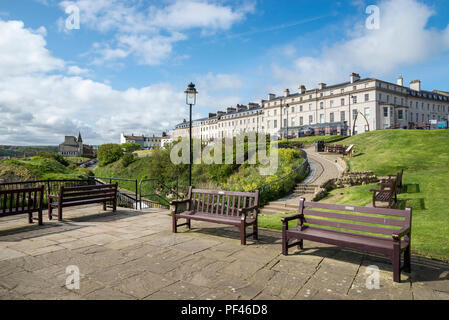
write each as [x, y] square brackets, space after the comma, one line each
[161, 192]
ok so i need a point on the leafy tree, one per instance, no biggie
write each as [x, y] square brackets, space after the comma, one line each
[127, 159]
[130, 147]
[109, 153]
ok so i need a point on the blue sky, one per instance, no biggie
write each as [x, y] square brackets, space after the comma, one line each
[126, 67]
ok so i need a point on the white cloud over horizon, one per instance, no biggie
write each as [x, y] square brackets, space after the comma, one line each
[402, 40]
[149, 33]
[43, 98]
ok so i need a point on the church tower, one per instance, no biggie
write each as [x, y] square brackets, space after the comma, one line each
[80, 144]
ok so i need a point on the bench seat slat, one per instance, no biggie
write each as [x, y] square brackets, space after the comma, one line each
[77, 203]
[92, 187]
[84, 193]
[353, 217]
[234, 220]
[101, 195]
[351, 226]
[383, 211]
[350, 240]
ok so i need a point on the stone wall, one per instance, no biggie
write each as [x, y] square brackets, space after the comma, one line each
[347, 179]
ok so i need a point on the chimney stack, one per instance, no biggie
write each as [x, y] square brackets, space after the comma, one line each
[354, 77]
[321, 86]
[286, 92]
[229, 110]
[302, 89]
[415, 85]
[271, 96]
[400, 81]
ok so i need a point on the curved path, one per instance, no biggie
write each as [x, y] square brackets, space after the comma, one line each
[323, 166]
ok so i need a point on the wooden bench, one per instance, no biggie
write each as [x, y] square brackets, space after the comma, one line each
[22, 201]
[77, 196]
[238, 209]
[398, 178]
[311, 226]
[386, 193]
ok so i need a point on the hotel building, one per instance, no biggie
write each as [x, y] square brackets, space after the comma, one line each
[348, 108]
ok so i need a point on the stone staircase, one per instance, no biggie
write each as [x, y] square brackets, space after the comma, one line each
[305, 188]
[290, 205]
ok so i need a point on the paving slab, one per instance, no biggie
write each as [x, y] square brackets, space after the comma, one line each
[134, 255]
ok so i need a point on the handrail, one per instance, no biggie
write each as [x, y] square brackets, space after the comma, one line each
[154, 194]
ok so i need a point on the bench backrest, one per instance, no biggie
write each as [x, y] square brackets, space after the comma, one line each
[106, 191]
[224, 203]
[375, 222]
[21, 200]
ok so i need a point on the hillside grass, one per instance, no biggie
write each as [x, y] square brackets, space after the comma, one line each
[312, 139]
[76, 160]
[424, 156]
[37, 168]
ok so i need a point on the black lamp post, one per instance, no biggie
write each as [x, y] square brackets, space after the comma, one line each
[286, 108]
[190, 100]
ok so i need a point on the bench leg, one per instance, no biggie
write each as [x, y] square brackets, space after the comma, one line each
[243, 234]
[407, 264]
[114, 205]
[104, 206]
[174, 222]
[39, 217]
[30, 217]
[284, 241]
[396, 262]
[50, 211]
[189, 224]
[60, 213]
[255, 231]
[301, 244]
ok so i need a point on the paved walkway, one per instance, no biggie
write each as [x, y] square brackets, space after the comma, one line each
[134, 255]
[323, 166]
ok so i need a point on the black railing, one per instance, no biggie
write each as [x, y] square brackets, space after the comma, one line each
[160, 191]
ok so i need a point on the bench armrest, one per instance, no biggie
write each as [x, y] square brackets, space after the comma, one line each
[176, 202]
[243, 211]
[398, 234]
[293, 217]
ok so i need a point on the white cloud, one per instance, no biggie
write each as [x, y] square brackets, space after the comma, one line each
[23, 51]
[38, 105]
[75, 70]
[403, 39]
[149, 32]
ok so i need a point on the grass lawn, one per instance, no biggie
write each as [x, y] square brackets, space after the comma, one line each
[313, 139]
[76, 160]
[424, 155]
[143, 153]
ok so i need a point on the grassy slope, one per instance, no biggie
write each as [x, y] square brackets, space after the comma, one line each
[313, 139]
[425, 157]
[77, 160]
[36, 169]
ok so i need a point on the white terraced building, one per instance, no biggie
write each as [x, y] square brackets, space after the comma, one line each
[356, 106]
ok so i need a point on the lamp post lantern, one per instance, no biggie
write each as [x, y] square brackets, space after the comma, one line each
[191, 101]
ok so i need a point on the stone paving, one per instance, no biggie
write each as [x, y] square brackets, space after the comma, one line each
[134, 255]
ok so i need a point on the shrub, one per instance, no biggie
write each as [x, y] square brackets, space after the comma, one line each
[109, 153]
[130, 147]
[127, 159]
[55, 156]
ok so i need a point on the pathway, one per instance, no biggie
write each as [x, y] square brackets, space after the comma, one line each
[323, 167]
[134, 255]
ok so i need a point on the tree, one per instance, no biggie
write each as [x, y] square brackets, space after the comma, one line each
[127, 159]
[130, 147]
[108, 153]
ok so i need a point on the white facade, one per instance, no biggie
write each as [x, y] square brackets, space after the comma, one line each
[357, 106]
